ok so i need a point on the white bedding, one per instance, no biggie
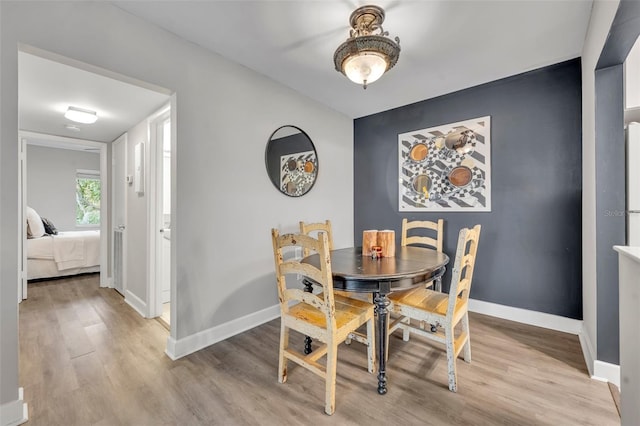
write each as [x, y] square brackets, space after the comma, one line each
[69, 250]
[44, 268]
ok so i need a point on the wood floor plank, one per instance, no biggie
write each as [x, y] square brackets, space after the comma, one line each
[87, 358]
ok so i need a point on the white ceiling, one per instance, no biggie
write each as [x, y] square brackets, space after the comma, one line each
[46, 88]
[446, 46]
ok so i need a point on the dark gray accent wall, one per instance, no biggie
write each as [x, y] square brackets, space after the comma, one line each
[610, 174]
[530, 246]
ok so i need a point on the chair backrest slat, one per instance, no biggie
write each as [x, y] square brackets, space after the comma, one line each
[462, 273]
[313, 229]
[434, 242]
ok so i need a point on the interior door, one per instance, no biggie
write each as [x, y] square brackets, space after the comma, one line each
[166, 210]
[160, 220]
[119, 213]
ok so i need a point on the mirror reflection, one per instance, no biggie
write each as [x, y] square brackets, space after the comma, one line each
[291, 161]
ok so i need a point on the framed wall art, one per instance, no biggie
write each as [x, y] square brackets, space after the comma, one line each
[446, 168]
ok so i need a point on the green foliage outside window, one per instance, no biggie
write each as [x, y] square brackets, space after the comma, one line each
[88, 201]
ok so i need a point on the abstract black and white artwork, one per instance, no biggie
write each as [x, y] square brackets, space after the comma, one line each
[446, 168]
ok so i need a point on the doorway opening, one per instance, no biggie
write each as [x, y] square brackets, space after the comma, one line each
[160, 228]
[48, 85]
[64, 181]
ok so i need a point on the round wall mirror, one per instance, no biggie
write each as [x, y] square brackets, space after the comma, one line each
[291, 160]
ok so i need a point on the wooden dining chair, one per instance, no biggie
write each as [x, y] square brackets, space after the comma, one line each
[313, 229]
[326, 318]
[446, 310]
[424, 233]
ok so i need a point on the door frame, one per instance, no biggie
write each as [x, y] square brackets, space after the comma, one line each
[124, 138]
[22, 215]
[61, 142]
[155, 217]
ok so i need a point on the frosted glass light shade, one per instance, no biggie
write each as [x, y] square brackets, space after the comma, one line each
[365, 68]
[80, 115]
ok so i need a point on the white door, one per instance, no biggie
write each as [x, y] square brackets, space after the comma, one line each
[119, 213]
[166, 211]
[160, 215]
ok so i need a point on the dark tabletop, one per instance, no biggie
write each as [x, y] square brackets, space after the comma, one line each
[411, 265]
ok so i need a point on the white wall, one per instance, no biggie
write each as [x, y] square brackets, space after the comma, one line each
[224, 202]
[601, 18]
[9, 231]
[137, 217]
[51, 182]
[632, 81]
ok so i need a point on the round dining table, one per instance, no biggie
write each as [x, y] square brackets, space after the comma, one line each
[411, 266]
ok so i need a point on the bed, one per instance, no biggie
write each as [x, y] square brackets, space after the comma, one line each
[67, 253]
[57, 254]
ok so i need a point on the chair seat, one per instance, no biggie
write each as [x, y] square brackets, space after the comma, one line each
[433, 302]
[421, 298]
[348, 311]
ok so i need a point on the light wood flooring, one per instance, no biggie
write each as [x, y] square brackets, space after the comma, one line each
[87, 358]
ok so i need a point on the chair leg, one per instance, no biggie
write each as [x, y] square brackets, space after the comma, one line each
[371, 347]
[330, 380]
[438, 284]
[406, 332]
[451, 357]
[467, 344]
[282, 361]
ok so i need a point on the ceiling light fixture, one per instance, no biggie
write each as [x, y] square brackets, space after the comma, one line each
[367, 53]
[80, 115]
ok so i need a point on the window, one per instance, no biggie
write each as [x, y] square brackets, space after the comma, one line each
[87, 197]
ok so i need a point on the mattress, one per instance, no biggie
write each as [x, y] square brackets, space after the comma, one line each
[42, 268]
[66, 253]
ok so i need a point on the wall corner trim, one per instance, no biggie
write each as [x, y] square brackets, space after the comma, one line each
[525, 316]
[181, 347]
[136, 303]
[106, 282]
[588, 351]
[16, 412]
[598, 370]
[606, 372]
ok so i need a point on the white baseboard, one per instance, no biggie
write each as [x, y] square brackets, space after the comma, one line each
[598, 370]
[106, 282]
[525, 316]
[190, 344]
[136, 303]
[606, 372]
[587, 351]
[15, 412]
